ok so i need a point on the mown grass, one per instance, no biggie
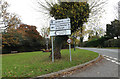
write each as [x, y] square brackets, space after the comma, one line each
[31, 64]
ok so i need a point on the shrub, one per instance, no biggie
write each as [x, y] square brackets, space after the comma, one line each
[96, 42]
[112, 43]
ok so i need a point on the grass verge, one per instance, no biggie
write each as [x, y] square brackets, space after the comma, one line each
[32, 64]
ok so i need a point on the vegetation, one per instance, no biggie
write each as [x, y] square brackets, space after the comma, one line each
[8, 20]
[78, 12]
[113, 29]
[112, 43]
[96, 42]
[24, 38]
[17, 36]
[31, 64]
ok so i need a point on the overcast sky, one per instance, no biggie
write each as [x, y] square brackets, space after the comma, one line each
[26, 9]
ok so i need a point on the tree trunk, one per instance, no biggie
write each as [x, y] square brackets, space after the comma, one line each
[81, 41]
[81, 36]
[57, 45]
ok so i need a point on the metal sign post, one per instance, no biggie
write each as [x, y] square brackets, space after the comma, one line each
[47, 43]
[52, 50]
[70, 51]
[47, 40]
[69, 41]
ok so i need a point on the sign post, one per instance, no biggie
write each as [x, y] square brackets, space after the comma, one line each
[69, 41]
[47, 40]
[70, 51]
[52, 50]
[60, 27]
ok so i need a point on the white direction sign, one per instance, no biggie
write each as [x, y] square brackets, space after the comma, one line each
[60, 32]
[60, 27]
[67, 20]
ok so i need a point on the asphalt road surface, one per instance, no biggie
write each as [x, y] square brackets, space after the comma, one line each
[107, 67]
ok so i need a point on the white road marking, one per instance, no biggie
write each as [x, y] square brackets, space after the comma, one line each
[114, 60]
[110, 57]
[107, 59]
[117, 63]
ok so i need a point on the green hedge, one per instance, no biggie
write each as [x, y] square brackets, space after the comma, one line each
[102, 42]
[92, 43]
[112, 43]
[96, 42]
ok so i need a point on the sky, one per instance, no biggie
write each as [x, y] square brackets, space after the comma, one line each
[28, 12]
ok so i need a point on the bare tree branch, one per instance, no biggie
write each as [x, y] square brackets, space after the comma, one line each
[43, 6]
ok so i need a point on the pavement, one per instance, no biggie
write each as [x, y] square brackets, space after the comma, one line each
[107, 67]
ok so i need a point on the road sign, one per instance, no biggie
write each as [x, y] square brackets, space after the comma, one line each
[67, 20]
[69, 41]
[60, 32]
[60, 27]
[61, 24]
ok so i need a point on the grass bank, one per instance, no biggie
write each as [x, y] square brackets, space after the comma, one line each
[31, 64]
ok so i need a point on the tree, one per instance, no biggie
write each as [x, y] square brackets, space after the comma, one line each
[24, 38]
[78, 12]
[10, 41]
[8, 20]
[95, 33]
[45, 31]
[113, 29]
[93, 25]
[92, 32]
[31, 37]
[81, 33]
[118, 10]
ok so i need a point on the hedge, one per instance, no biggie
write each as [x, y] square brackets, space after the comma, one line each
[112, 43]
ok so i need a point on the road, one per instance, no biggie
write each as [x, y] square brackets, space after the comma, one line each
[107, 67]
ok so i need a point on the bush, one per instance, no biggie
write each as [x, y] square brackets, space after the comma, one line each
[22, 39]
[96, 42]
[112, 43]
[92, 43]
